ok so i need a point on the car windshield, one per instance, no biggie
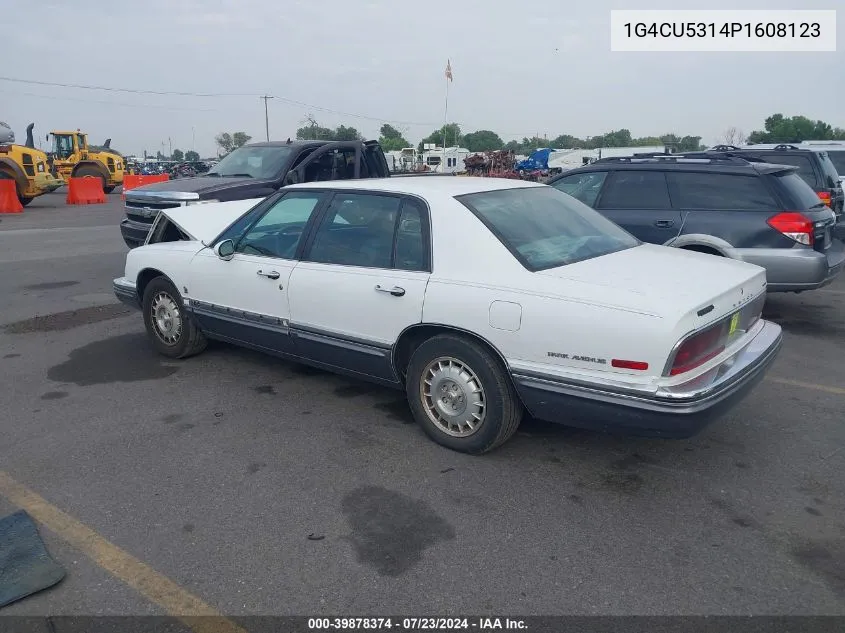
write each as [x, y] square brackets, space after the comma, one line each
[264, 162]
[803, 195]
[545, 228]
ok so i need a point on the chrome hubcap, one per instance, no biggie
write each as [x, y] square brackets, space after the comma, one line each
[453, 397]
[167, 319]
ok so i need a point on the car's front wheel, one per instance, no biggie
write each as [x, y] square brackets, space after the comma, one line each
[461, 395]
[172, 331]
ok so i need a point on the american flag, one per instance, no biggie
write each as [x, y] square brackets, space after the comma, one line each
[448, 70]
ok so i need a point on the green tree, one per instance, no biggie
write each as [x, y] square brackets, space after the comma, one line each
[451, 131]
[224, 142]
[240, 139]
[191, 156]
[794, 129]
[645, 141]
[177, 155]
[567, 141]
[391, 139]
[343, 133]
[160, 156]
[314, 132]
[482, 141]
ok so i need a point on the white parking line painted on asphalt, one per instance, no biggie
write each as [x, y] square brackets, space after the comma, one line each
[16, 232]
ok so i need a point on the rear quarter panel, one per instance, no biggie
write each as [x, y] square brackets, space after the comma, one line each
[552, 334]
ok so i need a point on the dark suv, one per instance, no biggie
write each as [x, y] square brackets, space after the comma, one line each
[760, 213]
[814, 166]
[253, 171]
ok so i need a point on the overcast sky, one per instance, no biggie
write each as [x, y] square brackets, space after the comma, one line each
[545, 68]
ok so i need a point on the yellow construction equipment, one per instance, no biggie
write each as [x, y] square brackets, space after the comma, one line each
[72, 157]
[28, 167]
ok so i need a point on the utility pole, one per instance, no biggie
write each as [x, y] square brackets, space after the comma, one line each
[266, 115]
[170, 143]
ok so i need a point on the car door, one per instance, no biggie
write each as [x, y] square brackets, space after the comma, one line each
[361, 281]
[244, 299]
[638, 201]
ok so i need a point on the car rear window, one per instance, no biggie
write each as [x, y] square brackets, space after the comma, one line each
[545, 228]
[801, 195]
[803, 163]
[703, 190]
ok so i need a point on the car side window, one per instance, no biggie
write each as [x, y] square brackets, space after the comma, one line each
[357, 230]
[702, 190]
[279, 231]
[338, 164]
[409, 249]
[635, 190]
[583, 187]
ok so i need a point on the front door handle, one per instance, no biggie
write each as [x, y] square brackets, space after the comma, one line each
[664, 224]
[396, 291]
[270, 275]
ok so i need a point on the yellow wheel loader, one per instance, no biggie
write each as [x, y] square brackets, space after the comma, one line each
[72, 157]
[27, 166]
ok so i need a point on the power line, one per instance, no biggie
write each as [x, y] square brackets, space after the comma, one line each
[131, 90]
[285, 100]
[111, 103]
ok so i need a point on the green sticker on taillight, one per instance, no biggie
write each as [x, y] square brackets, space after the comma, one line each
[734, 324]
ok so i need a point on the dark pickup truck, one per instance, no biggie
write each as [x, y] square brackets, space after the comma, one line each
[253, 171]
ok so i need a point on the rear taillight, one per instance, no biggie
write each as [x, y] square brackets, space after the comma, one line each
[699, 348]
[795, 226]
[825, 197]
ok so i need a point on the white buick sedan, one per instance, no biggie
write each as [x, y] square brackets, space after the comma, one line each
[480, 298]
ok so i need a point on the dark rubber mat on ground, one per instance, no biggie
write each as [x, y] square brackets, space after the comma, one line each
[25, 566]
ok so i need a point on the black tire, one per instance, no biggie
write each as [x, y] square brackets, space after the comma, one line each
[502, 409]
[109, 189]
[189, 340]
[87, 171]
[25, 201]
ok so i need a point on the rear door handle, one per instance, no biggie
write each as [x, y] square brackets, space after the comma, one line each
[664, 224]
[396, 291]
[270, 275]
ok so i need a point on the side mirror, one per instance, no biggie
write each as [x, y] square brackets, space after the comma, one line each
[225, 250]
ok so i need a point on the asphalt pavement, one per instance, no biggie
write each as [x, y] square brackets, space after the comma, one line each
[261, 487]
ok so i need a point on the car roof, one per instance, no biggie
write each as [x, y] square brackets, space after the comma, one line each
[691, 164]
[285, 143]
[432, 185]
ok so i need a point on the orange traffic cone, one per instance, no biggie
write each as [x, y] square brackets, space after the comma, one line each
[85, 191]
[9, 202]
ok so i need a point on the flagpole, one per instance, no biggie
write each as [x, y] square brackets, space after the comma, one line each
[445, 123]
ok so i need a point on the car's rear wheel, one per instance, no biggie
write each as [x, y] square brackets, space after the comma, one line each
[461, 395]
[171, 329]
